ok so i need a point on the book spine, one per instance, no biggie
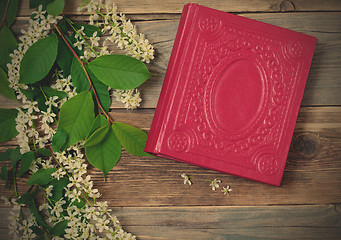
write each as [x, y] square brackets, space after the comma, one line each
[156, 133]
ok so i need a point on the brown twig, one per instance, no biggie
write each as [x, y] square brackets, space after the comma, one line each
[86, 73]
[5, 13]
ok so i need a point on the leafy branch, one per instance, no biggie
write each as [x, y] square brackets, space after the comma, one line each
[86, 73]
[78, 100]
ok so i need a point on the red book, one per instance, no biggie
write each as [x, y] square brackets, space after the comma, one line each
[231, 94]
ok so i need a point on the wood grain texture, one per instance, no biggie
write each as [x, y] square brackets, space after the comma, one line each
[148, 195]
[222, 223]
[312, 174]
[175, 6]
[323, 85]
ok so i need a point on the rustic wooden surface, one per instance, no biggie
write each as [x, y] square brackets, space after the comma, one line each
[148, 195]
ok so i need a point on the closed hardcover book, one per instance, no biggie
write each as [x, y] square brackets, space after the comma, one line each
[231, 94]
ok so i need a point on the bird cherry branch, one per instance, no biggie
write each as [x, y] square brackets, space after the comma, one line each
[86, 72]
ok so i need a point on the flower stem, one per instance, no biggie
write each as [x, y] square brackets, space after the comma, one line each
[86, 73]
[15, 184]
[74, 29]
[60, 165]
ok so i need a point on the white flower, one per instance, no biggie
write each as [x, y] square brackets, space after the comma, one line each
[102, 224]
[52, 102]
[39, 13]
[92, 18]
[186, 179]
[75, 182]
[31, 106]
[48, 190]
[44, 206]
[57, 209]
[31, 132]
[130, 98]
[58, 174]
[226, 190]
[215, 184]
[48, 116]
[79, 33]
[79, 44]
[5, 200]
[91, 213]
[73, 195]
[71, 233]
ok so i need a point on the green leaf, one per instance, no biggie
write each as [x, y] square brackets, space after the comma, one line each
[8, 44]
[76, 116]
[89, 29]
[106, 154]
[79, 204]
[78, 76]
[38, 232]
[64, 57]
[58, 187]
[38, 60]
[41, 177]
[43, 152]
[5, 90]
[31, 93]
[59, 228]
[119, 71]
[11, 12]
[33, 209]
[50, 92]
[131, 138]
[36, 3]
[4, 172]
[101, 90]
[8, 124]
[26, 161]
[41, 103]
[2, 8]
[99, 121]
[27, 196]
[4, 175]
[63, 26]
[56, 7]
[4, 156]
[97, 137]
[59, 139]
[15, 157]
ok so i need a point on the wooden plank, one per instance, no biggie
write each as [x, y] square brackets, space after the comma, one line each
[270, 222]
[323, 85]
[312, 174]
[175, 6]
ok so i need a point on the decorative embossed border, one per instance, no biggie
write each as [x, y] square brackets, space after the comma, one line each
[218, 43]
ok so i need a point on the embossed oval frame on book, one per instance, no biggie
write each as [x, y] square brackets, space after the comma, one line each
[231, 94]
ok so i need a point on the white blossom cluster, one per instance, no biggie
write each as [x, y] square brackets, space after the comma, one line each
[39, 27]
[130, 98]
[63, 84]
[120, 30]
[93, 218]
[123, 33]
[16, 226]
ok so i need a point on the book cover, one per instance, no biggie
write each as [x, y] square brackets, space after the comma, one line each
[231, 94]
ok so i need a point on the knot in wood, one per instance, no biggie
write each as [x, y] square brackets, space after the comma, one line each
[287, 6]
[306, 145]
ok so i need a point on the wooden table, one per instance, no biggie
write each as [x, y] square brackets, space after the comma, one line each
[148, 195]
